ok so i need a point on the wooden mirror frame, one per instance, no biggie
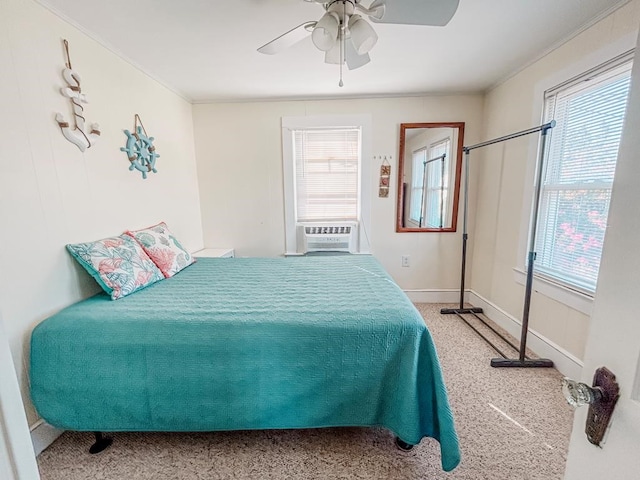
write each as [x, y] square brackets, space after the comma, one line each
[458, 172]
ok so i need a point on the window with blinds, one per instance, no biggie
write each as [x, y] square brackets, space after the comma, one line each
[578, 176]
[326, 173]
[437, 183]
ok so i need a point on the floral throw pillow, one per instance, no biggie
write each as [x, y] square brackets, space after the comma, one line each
[163, 248]
[118, 264]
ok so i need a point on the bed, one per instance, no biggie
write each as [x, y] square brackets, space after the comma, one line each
[247, 343]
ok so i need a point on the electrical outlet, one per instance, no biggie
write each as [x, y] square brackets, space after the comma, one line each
[405, 260]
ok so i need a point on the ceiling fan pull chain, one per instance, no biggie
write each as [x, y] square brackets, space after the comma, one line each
[341, 39]
[341, 83]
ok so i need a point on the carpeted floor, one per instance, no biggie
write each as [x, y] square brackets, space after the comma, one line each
[513, 424]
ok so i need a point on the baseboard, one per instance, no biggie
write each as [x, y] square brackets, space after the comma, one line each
[564, 362]
[43, 435]
[435, 296]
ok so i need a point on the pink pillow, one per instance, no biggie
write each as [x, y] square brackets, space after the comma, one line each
[163, 248]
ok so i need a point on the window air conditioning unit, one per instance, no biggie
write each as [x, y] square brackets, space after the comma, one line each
[328, 237]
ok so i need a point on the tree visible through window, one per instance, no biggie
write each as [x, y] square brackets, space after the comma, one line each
[576, 189]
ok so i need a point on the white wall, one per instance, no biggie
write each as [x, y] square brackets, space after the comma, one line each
[505, 171]
[239, 153]
[51, 194]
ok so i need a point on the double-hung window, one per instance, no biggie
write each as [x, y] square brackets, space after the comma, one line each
[326, 173]
[429, 184]
[437, 183]
[576, 188]
[327, 176]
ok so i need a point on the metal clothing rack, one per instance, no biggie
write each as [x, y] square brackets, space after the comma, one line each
[523, 360]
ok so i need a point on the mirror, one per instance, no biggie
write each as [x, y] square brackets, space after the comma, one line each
[429, 166]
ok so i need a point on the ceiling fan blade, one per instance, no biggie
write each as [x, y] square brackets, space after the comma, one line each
[353, 59]
[416, 12]
[287, 39]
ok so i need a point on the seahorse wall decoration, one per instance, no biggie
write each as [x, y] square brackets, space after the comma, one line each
[76, 134]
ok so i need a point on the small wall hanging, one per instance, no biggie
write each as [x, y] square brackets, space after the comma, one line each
[76, 134]
[385, 174]
[139, 149]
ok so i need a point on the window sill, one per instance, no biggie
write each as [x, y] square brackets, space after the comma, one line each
[571, 298]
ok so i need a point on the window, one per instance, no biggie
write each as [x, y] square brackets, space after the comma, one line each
[327, 173]
[437, 183]
[576, 187]
[429, 184]
[417, 181]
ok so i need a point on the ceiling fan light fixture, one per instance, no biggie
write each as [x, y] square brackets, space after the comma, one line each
[363, 35]
[347, 38]
[325, 33]
[333, 56]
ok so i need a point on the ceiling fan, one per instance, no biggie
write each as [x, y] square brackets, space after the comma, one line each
[346, 37]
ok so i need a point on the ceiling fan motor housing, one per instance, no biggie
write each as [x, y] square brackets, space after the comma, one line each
[341, 7]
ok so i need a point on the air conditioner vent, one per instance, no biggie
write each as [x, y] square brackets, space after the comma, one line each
[328, 237]
[328, 230]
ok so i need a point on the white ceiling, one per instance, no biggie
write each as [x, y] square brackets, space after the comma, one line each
[205, 50]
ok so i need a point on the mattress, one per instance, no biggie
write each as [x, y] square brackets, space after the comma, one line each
[247, 343]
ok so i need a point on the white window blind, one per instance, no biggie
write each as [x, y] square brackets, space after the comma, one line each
[576, 188]
[326, 173]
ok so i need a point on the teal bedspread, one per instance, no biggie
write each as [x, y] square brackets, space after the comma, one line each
[247, 343]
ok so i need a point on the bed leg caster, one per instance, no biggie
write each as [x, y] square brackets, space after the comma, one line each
[102, 443]
[405, 447]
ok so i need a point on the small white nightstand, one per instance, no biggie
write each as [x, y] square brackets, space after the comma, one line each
[215, 252]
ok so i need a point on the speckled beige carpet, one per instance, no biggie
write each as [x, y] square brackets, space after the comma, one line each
[513, 424]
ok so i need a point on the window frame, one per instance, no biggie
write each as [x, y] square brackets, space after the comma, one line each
[313, 173]
[574, 298]
[288, 125]
[572, 89]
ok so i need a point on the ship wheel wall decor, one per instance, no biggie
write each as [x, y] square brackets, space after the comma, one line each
[140, 150]
[75, 133]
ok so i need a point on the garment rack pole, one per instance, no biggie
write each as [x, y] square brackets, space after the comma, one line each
[504, 361]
